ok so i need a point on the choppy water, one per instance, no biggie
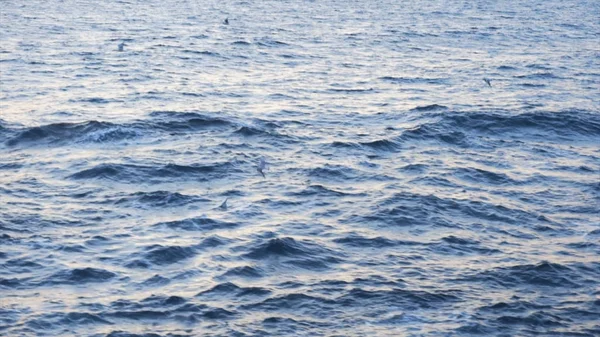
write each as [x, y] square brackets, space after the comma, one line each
[403, 196]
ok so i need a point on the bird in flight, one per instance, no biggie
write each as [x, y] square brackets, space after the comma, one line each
[488, 81]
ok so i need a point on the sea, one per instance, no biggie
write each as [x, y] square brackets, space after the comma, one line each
[299, 168]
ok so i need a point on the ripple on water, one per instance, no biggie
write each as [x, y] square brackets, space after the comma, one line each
[403, 194]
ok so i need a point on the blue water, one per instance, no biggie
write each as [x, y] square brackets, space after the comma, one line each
[403, 196]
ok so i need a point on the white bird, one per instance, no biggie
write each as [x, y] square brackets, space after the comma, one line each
[488, 81]
[121, 46]
[262, 164]
[224, 204]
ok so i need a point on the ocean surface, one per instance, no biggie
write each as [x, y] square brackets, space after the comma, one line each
[402, 194]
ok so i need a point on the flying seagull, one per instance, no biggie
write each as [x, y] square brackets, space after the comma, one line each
[262, 164]
[488, 81]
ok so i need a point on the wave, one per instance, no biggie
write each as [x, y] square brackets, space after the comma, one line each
[193, 94]
[351, 91]
[414, 80]
[532, 85]
[158, 307]
[229, 289]
[540, 76]
[386, 145]
[156, 199]
[452, 245]
[124, 172]
[282, 247]
[203, 52]
[485, 177]
[414, 168]
[268, 42]
[435, 132]
[130, 173]
[182, 121]
[399, 298]
[107, 132]
[300, 254]
[93, 132]
[362, 242]
[244, 272]
[95, 100]
[334, 172]
[382, 145]
[265, 131]
[411, 209]
[537, 319]
[11, 166]
[19, 265]
[320, 190]
[466, 128]
[545, 274]
[78, 276]
[346, 145]
[156, 281]
[453, 128]
[431, 107]
[291, 302]
[165, 255]
[197, 224]
[66, 319]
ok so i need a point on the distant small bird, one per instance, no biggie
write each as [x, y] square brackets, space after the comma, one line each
[224, 204]
[121, 46]
[226, 21]
[262, 164]
[488, 81]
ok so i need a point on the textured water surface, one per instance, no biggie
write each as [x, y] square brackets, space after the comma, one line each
[402, 194]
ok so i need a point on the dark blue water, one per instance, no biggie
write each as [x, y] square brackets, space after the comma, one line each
[402, 196]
